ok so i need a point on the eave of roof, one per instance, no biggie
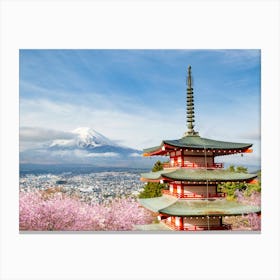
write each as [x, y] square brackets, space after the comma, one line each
[157, 203]
[203, 207]
[151, 150]
[186, 174]
[189, 174]
[155, 175]
[210, 208]
[154, 227]
[196, 142]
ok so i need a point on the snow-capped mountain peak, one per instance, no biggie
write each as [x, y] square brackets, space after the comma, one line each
[84, 137]
[83, 145]
[88, 137]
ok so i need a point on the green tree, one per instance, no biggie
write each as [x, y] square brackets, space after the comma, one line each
[259, 173]
[241, 169]
[256, 187]
[251, 188]
[152, 189]
[157, 166]
[229, 188]
[231, 168]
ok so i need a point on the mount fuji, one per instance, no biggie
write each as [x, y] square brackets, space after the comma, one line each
[85, 146]
[91, 141]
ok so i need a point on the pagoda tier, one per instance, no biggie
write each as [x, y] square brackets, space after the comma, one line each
[171, 206]
[186, 224]
[196, 146]
[196, 223]
[196, 183]
[193, 215]
[197, 176]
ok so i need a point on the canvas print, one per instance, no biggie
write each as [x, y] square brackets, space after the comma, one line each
[140, 140]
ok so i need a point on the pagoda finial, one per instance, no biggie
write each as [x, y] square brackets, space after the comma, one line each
[189, 77]
[190, 106]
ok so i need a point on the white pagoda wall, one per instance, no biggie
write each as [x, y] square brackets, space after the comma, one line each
[198, 189]
[199, 221]
[190, 159]
[202, 190]
[198, 160]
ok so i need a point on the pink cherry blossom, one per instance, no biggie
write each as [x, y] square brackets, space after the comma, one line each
[253, 219]
[59, 212]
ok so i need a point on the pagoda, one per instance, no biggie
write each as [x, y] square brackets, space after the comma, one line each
[191, 200]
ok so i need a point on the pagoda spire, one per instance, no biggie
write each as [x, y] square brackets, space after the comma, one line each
[190, 106]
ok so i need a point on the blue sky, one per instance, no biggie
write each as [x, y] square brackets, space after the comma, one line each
[137, 97]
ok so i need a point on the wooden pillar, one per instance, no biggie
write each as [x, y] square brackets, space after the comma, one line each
[173, 221]
[172, 161]
[221, 221]
[181, 223]
[179, 189]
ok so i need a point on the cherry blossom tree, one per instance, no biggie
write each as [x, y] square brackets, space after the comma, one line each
[59, 212]
[253, 219]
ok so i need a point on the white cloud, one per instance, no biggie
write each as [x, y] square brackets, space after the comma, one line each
[135, 125]
[243, 58]
[135, 155]
[82, 154]
[251, 135]
[238, 160]
[131, 128]
[140, 129]
[39, 134]
[108, 154]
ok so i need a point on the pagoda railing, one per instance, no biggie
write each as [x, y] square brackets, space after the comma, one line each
[197, 228]
[192, 165]
[194, 195]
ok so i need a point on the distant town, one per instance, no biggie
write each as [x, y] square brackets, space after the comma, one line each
[99, 187]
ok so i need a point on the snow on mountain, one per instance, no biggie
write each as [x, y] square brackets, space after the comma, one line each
[88, 143]
[89, 137]
[83, 137]
[87, 146]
